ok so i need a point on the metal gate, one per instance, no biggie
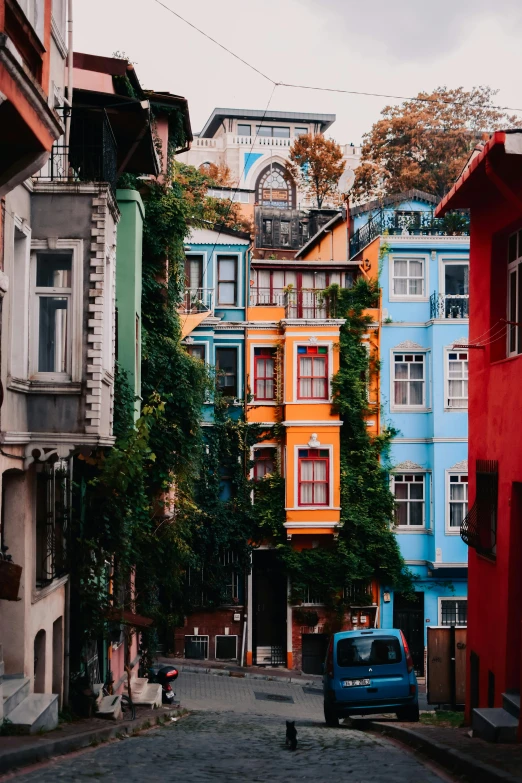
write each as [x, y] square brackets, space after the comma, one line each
[408, 615]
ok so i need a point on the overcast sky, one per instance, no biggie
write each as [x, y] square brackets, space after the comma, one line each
[367, 45]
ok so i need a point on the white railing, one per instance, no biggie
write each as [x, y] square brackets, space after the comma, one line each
[202, 142]
[260, 141]
[303, 303]
[198, 300]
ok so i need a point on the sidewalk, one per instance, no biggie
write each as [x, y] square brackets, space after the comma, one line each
[21, 751]
[227, 669]
[454, 749]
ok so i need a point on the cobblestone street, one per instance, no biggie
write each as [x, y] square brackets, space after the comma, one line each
[237, 732]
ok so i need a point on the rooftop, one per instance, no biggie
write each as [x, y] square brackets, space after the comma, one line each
[218, 115]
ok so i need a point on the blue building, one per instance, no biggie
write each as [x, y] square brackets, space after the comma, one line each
[216, 298]
[424, 271]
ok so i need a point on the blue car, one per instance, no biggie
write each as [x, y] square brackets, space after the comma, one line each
[368, 672]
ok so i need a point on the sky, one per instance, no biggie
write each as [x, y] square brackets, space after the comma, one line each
[396, 48]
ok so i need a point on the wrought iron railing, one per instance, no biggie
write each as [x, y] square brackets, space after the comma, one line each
[308, 304]
[449, 305]
[479, 527]
[91, 155]
[406, 223]
[198, 300]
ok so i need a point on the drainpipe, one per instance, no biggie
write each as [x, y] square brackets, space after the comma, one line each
[69, 82]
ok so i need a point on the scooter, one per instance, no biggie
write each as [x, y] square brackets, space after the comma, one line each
[164, 676]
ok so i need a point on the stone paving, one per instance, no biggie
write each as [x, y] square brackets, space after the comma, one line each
[234, 736]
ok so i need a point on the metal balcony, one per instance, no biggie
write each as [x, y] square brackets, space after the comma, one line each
[449, 305]
[302, 303]
[198, 300]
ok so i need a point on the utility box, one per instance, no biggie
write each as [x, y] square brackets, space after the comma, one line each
[446, 675]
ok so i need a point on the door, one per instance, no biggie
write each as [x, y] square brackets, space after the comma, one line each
[314, 652]
[456, 290]
[408, 615]
[193, 282]
[270, 603]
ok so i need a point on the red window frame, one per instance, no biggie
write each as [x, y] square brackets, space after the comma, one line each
[313, 455]
[312, 352]
[260, 357]
[262, 456]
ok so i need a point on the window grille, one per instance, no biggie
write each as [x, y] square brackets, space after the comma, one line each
[479, 528]
[453, 612]
[53, 505]
[310, 596]
[196, 647]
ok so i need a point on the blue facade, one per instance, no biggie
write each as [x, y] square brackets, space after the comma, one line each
[217, 279]
[424, 282]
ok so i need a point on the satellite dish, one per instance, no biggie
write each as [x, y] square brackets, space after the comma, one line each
[346, 180]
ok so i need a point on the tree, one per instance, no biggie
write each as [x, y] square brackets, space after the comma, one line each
[316, 164]
[424, 143]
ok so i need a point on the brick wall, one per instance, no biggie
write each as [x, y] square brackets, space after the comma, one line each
[210, 624]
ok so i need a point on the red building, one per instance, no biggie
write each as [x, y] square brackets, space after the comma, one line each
[491, 188]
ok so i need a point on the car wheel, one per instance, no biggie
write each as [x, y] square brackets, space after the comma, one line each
[409, 714]
[330, 716]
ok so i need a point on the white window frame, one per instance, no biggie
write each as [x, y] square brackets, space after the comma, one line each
[239, 280]
[449, 598]
[425, 516]
[422, 257]
[447, 406]
[226, 636]
[198, 636]
[426, 395]
[514, 267]
[452, 531]
[76, 311]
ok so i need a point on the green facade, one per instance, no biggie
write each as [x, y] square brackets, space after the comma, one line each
[128, 287]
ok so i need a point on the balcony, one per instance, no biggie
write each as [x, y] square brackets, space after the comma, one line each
[449, 305]
[402, 223]
[309, 304]
[91, 156]
[198, 300]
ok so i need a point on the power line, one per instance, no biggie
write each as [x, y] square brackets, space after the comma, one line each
[425, 99]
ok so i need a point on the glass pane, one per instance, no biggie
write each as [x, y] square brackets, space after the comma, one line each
[416, 513]
[320, 493]
[53, 270]
[400, 287]
[194, 272]
[365, 651]
[456, 514]
[416, 389]
[305, 387]
[415, 268]
[306, 365]
[456, 279]
[269, 368]
[320, 470]
[457, 491]
[227, 293]
[401, 514]
[401, 393]
[401, 371]
[306, 493]
[400, 268]
[416, 287]
[269, 390]
[307, 471]
[416, 491]
[416, 371]
[281, 133]
[260, 389]
[512, 311]
[244, 130]
[319, 388]
[52, 335]
[227, 269]
[401, 491]
[319, 367]
[264, 130]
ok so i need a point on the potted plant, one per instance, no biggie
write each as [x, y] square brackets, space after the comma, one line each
[10, 575]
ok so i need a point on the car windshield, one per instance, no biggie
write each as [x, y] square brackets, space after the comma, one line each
[368, 651]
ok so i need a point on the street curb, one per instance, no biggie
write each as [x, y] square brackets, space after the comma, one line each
[447, 757]
[32, 754]
[246, 675]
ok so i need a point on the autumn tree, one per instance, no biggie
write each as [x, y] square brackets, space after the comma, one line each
[316, 164]
[424, 143]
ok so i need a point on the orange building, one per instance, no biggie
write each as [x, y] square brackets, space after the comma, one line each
[292, 355]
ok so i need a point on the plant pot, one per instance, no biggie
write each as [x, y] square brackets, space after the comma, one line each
[10, 575]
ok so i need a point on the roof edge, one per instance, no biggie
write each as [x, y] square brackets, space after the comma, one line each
[313, 240]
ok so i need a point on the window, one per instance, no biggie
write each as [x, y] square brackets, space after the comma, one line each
[313, 477]
[273, 188]
[275, 131]
[457, 499]
[196, 647]
[408, 277]
[244, 130]
[409, 379]
[53, 292]
[311, 597]
[514, 332]
[230, 561]
[264, 373]
[453, 611]
[285, 233]
[227, 280]
[197, 351]
[226, 371]
[409, 499]
[457, 369]
[264, 462]
[312, 372]
[301, 131]
[52, 516]
[369, 651]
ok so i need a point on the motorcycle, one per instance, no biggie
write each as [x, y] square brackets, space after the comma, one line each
[164, 676]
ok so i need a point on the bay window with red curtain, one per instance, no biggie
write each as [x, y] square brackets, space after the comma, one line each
[313, 477]
[312, 372]
[264, 374]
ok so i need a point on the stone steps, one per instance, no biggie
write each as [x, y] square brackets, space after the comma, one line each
[36, 712]
[16, 689]
[109, 707]
[494, 724]
[511, 703]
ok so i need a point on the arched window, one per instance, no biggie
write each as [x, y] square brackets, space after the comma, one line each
[273, 189]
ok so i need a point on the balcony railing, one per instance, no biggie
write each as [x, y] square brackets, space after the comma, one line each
[198, 300]
[449, 305]
[91, 156]
[304, 303]
[402, 223]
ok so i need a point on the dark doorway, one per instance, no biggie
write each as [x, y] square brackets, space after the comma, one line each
[408, 615]
[513, 628]
[314, 652]
[269, 602]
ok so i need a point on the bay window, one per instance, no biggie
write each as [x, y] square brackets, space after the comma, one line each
[409, 380]
[312, 372]
[52, 302]
[264, 374]
[409, 499]
[313, 477]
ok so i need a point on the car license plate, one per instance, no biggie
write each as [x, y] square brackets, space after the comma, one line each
[353, 683]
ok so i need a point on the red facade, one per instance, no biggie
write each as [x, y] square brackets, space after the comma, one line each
[491, 187]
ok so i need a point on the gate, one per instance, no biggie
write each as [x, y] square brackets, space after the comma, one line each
[446, 680]
[408, 615]
[314, 652]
